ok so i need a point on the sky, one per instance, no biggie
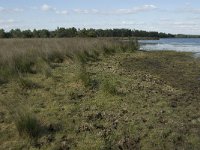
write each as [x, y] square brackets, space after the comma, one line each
[170, 16]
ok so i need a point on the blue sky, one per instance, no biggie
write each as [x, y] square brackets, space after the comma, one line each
[172, 16]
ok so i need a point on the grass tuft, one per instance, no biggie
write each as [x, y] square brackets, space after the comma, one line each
[85, 77]
[3, 76]
[24, 64]
[109, 86]
[43, 67]
[56, 57]
[28, 84]
[109, 50]
[27, 124]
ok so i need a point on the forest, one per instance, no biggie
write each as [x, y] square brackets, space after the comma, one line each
[73, 32]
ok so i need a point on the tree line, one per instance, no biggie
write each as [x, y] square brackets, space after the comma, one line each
[187, 36]
[73, 32]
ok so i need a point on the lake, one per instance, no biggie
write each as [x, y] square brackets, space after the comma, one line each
[176, 44]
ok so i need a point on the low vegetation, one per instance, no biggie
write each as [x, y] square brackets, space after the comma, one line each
[28, 125]
[109, 86]
[127, 100]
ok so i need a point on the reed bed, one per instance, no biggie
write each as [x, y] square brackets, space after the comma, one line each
[21, 55]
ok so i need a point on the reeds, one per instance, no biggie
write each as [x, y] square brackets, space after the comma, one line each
[21, 55]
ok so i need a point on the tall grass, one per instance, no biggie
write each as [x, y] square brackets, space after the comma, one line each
[22, 55]
[27, 124]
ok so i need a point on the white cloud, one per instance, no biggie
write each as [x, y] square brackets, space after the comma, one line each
[18, 10]
[14, 10]
[9, 21]
[81, 11]
[86, 11]
[135, 23]
[189, 9]
[34, 8]
[64, 12]
[165, 19]
[194, 10]
[7, 24]
[134, 10]
[2, 9]
[46, 7]
[95, 10]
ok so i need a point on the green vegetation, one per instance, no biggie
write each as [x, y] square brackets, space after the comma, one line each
[127, 100]
[73, 32]
[187, 36]
[109, 86]
[32, 56]
[27, 83]
[27, 124]
[85, 77]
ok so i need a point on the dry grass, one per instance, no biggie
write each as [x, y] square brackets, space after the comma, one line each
[21, 55]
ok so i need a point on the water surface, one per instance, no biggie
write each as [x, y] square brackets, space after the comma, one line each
[176, 44]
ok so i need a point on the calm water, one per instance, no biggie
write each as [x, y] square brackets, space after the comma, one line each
[177, 44]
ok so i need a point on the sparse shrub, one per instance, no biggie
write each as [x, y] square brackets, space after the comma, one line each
[109, 86]
[28, 124]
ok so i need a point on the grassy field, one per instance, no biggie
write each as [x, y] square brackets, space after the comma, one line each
[97, 94]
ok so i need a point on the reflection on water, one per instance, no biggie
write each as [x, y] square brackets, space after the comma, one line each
[177, 44]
